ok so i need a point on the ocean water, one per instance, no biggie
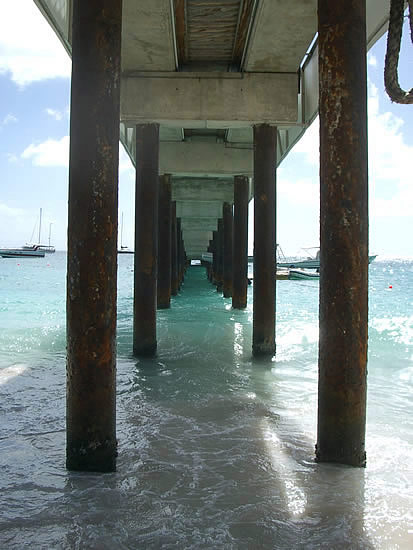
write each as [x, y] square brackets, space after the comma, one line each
[216, 450]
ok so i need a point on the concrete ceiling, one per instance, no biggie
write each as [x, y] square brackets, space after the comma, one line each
[164, 40]
[207, 71]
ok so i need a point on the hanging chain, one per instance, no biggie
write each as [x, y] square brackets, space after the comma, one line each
[391, 76]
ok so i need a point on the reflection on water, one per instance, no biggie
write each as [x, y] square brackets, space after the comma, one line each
[216, 450]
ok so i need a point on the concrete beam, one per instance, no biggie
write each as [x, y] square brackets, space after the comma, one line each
[199, 224]
[204, 159]
[199, 209]
[210, 99]
[203, 189]
[281, 35]
[195, 253]
[147, 35]
[198, 236]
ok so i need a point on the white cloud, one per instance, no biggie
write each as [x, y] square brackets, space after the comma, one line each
[57, 115]
[391, 192]
[56, 153]
[11, 157]
[303, 190]
[9, 212]
[371, 60]
[8, 119]
[29, 49]
[49, 153]
[390, 189]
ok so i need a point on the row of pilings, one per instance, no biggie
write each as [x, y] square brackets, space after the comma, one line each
[228, 270]
[93, 222]
[160, 257]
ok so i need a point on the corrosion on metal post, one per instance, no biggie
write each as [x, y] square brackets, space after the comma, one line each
[227, 254]
[220, 245]
[174, 252]
[343, 233]
[146, 239]
[92, 236]
[179, 251]
[263, 336]
[214, 257]
[164, 243]
[240, 259]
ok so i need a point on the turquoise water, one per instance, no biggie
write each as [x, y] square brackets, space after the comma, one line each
[215, 450]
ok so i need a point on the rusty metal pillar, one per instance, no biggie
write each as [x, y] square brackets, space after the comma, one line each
[164, 243]
[220, 265]
[214, 257]
[174, 252]
[240, 259]
[146, 239]
[92, 236]
[183, 257]
[227, 255]
[343, 232]
[179, 251]
[265, 158]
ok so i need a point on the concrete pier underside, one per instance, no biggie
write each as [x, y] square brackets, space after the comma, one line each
[252, 71]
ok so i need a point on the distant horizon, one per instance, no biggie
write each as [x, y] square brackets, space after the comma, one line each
[379, 258]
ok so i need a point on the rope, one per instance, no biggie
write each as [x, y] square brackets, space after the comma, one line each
[391, 76]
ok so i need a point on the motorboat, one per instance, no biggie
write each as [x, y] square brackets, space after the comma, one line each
[302, 274]
[311, 262]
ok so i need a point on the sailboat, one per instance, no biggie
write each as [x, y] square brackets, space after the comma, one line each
[23, 252]
[48, 248]
[123, 249]
[29, 250]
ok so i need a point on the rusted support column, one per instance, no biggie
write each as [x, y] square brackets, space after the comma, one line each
[220, 264]
[209, 264]
[92, 236]
[174, 252]
[164, 243]
[179, 251]
[183, 259]
[146, 239]
[343, 232]
[214, 257]
[227, 217]
[240, 248]
[265, 158]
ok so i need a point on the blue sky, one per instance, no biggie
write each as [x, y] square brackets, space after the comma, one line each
[34, 128]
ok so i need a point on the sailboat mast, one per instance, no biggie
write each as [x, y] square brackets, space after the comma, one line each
[50, 232]
[121, 232]
[40, 225]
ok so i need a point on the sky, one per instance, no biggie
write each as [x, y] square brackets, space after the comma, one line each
[34, 149]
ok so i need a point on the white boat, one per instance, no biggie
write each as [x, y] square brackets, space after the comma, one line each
[309, 263]
[23, 252]
[44, 247]
[300, 274]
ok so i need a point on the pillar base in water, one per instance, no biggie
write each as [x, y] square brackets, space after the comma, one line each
[356, 459]
[148, 350]
[83, 457]
[263, 349]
